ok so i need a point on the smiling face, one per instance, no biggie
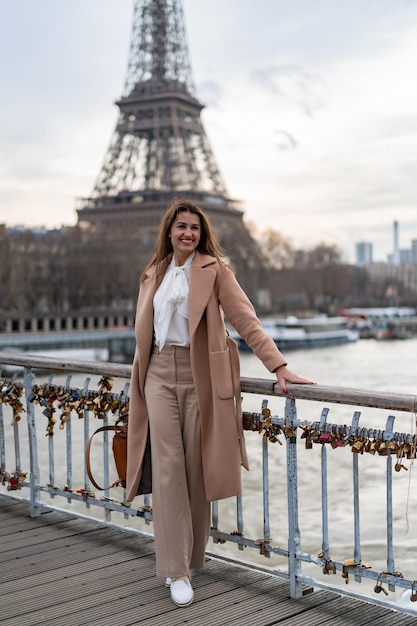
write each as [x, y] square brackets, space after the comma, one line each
[185, 235]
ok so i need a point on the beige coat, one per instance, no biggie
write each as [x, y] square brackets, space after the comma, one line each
[212, 288]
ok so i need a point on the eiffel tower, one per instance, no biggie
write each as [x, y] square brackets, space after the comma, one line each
[159, 149]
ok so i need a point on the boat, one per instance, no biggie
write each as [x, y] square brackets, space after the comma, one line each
[391, 329]
[383, 322]
[293, 332]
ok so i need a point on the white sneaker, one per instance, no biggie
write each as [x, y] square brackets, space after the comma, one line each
[168, 580]
[182, 593]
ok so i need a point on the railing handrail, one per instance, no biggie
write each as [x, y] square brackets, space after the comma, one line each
[48, 363]
[319, 393]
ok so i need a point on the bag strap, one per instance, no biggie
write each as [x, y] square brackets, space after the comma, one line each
[115, 428]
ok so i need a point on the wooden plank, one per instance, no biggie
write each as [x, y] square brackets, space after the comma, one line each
[237, 606]
[89, 574]
[90, 569]
[63, 553]
[95, 600]
[39, 535]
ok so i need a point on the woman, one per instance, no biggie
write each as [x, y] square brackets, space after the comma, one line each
[185, 389]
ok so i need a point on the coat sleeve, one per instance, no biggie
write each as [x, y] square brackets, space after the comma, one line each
[242, 316]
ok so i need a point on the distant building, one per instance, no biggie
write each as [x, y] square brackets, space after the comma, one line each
[395, 259]
[406, 256]
[414, 251]
[364, 253]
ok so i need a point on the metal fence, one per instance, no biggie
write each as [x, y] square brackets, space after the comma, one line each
[45, 466]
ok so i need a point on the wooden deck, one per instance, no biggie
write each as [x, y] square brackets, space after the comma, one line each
[60, 570]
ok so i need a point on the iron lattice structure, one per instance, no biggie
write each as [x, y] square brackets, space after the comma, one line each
[159, 142]
[159, 148]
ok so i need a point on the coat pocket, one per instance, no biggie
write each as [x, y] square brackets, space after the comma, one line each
[221, 373]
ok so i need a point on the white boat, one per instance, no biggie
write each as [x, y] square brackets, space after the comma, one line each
[383, 322]
[293, 332]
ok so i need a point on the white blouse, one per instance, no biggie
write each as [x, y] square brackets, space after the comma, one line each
[170, 305]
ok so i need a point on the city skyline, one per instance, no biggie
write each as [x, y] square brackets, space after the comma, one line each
[310, 110]
[405, 254]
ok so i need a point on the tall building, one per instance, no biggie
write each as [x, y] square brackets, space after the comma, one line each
[364, 253]
[395, 259]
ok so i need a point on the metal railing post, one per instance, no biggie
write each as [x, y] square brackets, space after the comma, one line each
[2, 442]
[34, 486]
[324, 492]
[356, 503]
[86, 420]
[265, 486]
[294, 542]
[390, 529]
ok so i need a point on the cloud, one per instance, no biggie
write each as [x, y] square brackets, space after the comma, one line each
[285, 140]
[210, 93]
[292, 83]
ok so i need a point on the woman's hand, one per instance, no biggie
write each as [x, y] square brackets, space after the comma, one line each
[284, 375]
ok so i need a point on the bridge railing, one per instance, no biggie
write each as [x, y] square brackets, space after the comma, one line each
[322, 475]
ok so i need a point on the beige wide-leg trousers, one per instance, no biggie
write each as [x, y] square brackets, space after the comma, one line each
[181, 513]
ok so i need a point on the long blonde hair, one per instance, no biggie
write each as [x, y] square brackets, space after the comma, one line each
[208, 243]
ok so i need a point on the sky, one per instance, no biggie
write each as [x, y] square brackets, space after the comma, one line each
[311, 110]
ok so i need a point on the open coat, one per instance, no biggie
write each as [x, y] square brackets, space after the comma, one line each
[213, 293]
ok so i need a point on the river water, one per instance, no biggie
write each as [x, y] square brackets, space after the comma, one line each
[387, 366]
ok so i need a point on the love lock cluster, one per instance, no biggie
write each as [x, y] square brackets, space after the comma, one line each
[10, 394]
[267, 426]
[65, 400]
[14, 481]
[264, 425]
[371, 441]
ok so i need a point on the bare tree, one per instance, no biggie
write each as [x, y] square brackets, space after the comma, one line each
[277, 251]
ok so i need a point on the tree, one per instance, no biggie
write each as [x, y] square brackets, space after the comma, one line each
[277, 251]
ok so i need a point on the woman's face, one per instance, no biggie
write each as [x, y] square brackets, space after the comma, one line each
[185, 235]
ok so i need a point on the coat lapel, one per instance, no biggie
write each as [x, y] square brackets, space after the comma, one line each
[202, 279]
